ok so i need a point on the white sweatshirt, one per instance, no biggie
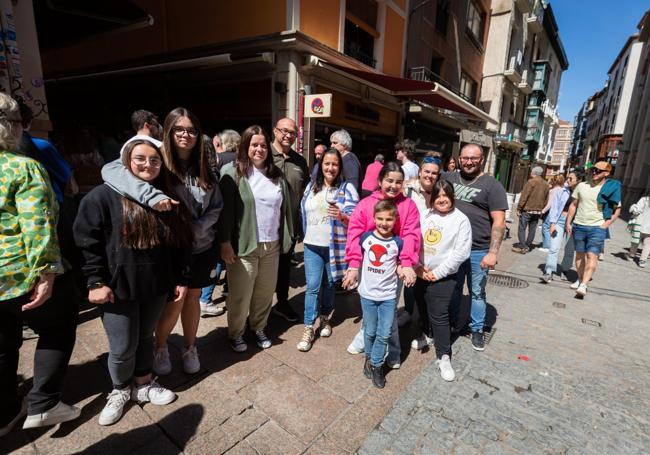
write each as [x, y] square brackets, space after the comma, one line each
[446, 242]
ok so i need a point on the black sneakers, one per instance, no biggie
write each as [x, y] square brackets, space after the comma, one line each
[478, 342]
[378, 376]
[284, 310]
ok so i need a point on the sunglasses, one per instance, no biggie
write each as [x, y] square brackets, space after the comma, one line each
[595, 170]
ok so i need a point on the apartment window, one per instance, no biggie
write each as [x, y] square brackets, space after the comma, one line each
[436, 65]
[442, 16]
[475, 20]
[468, 88]
[360, 30]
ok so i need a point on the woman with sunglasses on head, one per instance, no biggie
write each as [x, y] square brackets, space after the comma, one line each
[326, 208]
[185, 156]
[135, 258]
[446, 244]
[407, 227]
[254, 228]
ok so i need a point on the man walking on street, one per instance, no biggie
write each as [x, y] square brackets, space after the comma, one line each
[594, 207]
[483, 200]
[295, 170]
[531, 203]
[342, 141]
[405, 152]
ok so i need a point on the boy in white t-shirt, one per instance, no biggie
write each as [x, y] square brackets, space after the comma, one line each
[378, 288]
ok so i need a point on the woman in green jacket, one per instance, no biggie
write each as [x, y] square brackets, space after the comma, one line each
[254, 227]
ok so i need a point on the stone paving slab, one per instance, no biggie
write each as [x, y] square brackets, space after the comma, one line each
[581, 387]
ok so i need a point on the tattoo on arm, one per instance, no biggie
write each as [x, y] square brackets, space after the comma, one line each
[497, 237]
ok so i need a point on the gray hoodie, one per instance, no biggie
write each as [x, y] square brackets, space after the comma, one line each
[204, 205]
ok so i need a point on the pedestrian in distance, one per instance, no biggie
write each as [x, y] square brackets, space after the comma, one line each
[185, 155]
[420, 191]
[378, 287]
[556, 185]
[557, 219]
[641, 211]
[595, 205]
[446, 244]
[255, 227]
[405, 152]
[135, 257]
[326, 208]
[483, 200]
[370, 178]
[531, 204]
[342, 141]
[30, 262]
[318, 154]
[407, 227]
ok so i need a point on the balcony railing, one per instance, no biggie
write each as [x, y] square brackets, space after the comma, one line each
[536, 17]
[534, 123]
[361, 56]
[510, 132]
[422, 73]
[527, 79]
[513, 72]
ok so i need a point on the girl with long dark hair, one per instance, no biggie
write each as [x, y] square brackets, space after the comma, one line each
[254, 228]
[326, 208]
[135, 258]
[186, 157]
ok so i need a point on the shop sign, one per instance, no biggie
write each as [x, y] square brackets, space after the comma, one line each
[319, 105]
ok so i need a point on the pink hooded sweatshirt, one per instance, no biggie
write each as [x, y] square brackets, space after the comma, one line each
[407, 227]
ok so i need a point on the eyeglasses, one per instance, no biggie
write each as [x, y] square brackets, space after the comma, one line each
[141, 161]
[473, 159]
[179, 130]
[286, 132]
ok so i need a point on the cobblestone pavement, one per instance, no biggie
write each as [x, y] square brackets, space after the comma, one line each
[560, 375]
[278, 401]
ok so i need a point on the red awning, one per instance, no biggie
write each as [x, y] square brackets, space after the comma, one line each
[430, 93]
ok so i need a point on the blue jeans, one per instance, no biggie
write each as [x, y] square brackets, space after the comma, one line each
[378, 318]
[206, 292]
[546, 233]
[554, 246]
[319, 278]
[476, 280]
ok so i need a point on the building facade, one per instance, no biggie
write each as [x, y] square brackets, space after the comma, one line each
[579, 136]
[633, 167]
[561, 148]
[446, 44]
[521, 85]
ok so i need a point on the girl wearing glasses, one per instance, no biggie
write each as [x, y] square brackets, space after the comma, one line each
[184, 155]
[135, 258]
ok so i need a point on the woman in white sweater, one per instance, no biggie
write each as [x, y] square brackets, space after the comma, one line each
[446, 244]
[641, 210]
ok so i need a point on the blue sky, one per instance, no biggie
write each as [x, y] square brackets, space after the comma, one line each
[593, 32]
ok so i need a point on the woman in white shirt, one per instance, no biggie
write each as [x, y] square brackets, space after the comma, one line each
[446, 244]
[253, 228]
[326, 208]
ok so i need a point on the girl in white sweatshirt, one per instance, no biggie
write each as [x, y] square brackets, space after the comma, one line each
[446, 244]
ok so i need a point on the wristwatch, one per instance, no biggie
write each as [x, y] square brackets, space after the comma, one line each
[97, 285]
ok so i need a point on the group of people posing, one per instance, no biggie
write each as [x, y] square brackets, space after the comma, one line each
[177, 207]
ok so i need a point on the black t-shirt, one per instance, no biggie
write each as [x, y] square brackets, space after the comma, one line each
[476, 200]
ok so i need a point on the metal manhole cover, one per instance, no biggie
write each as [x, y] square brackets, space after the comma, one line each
[506, 281]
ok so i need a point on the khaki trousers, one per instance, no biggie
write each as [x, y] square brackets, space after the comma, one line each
[251, 284]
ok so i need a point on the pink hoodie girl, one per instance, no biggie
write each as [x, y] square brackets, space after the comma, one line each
[407, 227]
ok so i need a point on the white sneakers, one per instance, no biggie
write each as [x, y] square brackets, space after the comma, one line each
[421, 342]
[162, 366]
[191, 362]
[152, 393]
[58, 414]
[113, 410]
[582, 290]
[446, 371]
[575, 285]
[354, 349]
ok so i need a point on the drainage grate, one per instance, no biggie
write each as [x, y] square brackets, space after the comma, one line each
[506, 281]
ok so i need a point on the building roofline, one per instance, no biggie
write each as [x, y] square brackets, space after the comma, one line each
[632, 38]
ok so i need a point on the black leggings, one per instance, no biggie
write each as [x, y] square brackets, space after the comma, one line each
[433, 300]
